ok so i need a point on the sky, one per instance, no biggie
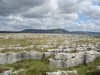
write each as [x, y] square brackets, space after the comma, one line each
[72, 15]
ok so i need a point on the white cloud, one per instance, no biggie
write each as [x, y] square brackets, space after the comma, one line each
[90, 10]
[20, 14]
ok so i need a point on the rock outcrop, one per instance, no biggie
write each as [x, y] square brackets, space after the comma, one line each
[9, 58]
[6, 72]
[66, 60]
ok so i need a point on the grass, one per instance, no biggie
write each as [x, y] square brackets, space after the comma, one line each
[40, 67]
[26, 42]
[73, 51]
[20, 50]
[36, 39]
[85, 41]
[3, 69]
[95, 72]
[36, 67]
[10, 50]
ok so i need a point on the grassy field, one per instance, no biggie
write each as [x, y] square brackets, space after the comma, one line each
[24, 42]
[42, 43]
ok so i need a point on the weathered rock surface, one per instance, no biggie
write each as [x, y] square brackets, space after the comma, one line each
[97, 67]
[6, 72]
[63, 73]
[8, 58]
[18, 71]
[73, 59]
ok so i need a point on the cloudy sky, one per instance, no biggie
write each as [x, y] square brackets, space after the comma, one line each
[73, 15]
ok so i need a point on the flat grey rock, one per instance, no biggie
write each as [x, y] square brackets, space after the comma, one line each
[62, 73]
[9, 58]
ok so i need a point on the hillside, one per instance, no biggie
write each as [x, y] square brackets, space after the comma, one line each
[52, 31]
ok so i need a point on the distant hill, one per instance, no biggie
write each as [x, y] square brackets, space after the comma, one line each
[58, 31]
[45, 31]
[85, 32]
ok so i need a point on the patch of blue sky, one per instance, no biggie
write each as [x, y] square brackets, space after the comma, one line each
[82, 18]
[96, 3]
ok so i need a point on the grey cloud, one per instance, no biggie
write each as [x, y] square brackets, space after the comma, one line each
[69, 6]
[37, 12]
[8, 7]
